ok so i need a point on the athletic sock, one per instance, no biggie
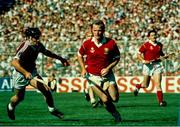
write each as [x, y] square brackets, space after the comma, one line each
[138, 86]
[93, 100]
[110, 107]
[51, 109]
[159, 96]
[10, 107]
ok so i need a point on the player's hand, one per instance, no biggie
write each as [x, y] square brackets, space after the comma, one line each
[104, 71]
[28, 76]
[64, 62]
[83, 73]
[146, 61]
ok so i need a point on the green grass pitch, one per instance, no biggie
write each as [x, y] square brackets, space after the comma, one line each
[136, 111]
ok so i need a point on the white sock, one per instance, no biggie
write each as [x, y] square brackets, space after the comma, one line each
[10, 107]
[51, 109]
[93, 100]
[137, 89]
[86, 91]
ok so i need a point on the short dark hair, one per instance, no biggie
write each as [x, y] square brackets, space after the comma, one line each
[100, 23]
[152, 31]
[33, 32]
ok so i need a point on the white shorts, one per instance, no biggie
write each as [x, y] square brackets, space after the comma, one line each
[150, 69]
[99, 80]
[19, 81]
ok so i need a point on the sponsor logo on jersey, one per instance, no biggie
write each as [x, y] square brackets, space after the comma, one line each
[151, 48]
[106, 50]
[92, 50]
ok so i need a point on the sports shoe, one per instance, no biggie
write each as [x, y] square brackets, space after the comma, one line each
[163, 104]
[86, 95]
[57, 114]
[117, 117]
[11, 114]
[136, 92]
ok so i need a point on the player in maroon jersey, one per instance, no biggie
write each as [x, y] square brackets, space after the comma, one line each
[149, 54]
[102, 54]
[24, 64]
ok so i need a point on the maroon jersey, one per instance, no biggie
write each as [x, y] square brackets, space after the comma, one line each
[151, 51]
[99, 57]
[27, 54]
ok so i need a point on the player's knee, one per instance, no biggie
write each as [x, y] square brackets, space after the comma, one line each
[19, 98]
[42, 88]
[104, 98]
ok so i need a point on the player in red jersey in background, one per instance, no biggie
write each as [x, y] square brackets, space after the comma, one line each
[102, 54]
[24, 64]
[149, 54]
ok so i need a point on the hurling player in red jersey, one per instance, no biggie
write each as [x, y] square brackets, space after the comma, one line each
[149, 54]
[102, 54]
[24, 64]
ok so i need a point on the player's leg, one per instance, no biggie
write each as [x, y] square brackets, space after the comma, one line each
[110, 107]
[45, 90]
[89, 93]
[113, 92]
[86, 94]
[147, 72]
[144, 84]
[14, 101]
[157, 80]
[110, 87]
[19, 85]
[90, 96]
[93, 101]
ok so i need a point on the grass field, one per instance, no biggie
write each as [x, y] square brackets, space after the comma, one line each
[136, 111]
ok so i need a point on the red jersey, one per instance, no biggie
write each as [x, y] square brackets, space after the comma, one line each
[99, 57]
[151, 51]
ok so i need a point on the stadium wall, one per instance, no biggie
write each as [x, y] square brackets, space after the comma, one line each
[170, 84]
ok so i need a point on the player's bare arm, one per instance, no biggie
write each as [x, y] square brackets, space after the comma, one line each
[53, 55]
[141, 59]
[106, 70]
[81, 62]
[15, 63]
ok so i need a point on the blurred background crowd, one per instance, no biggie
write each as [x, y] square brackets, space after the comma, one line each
[65, 24]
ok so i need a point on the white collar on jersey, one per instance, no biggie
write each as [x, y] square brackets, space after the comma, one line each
[152, 43]
[104, 40]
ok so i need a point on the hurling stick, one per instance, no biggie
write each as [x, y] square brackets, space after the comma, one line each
[40, 80]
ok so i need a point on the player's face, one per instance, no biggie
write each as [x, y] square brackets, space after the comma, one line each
[35, 41]
[152, 37]
[97, 32]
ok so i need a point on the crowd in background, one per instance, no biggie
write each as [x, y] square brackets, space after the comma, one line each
[65, 25]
